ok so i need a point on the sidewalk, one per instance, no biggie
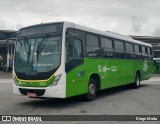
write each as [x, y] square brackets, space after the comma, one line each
[5, 81]
[4, 75]
[155, 77]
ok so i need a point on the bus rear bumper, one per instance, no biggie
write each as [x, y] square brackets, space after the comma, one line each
[58, 91]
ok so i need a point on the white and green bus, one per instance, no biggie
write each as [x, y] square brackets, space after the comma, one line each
[63, 59]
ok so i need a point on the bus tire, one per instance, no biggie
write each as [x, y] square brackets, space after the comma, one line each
[136, 84]
[92, 90]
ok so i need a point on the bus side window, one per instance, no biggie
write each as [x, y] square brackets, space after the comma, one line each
[144, 53]
[107, 48]
[119, 49]
[129, 51]
[149, 53]
[92, 46]
[137, 50]
[73, 49]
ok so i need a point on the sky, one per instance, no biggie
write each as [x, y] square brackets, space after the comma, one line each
[127, 17]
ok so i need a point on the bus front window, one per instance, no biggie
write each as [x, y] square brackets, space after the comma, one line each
[38, 54]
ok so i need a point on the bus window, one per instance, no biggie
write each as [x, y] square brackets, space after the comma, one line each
[119, 49]
[144, 53]
[93, 48]
[129, 51]
[149, 53]
[143, 50]
[137, 50]
[106, 43]
[92, 40]
[73, 49]
[107, 48]
[74, 54]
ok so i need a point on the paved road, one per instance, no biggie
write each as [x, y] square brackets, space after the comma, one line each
[118, 101]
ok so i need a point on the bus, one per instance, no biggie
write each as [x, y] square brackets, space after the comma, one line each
[64, 59]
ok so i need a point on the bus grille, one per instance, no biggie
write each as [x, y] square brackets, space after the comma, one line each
[38, 92]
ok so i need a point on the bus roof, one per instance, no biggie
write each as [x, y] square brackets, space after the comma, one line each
[107, 33]
[92, 30]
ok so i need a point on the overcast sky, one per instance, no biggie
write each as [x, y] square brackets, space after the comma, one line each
[128, 17]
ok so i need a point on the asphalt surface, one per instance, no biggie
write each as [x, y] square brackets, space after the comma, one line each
[116, 101]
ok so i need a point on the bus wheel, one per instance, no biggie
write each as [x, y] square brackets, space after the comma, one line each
[92, 90]
[136, 84]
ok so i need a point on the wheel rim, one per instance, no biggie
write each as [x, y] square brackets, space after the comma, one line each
[92, 89]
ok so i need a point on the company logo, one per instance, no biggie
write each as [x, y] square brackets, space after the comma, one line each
[104, 68]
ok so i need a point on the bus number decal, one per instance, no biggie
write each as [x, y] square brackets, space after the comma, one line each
[145, 66]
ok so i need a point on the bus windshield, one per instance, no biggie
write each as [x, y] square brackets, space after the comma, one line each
[38, 53]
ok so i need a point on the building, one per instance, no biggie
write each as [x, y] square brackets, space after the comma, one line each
[154, 41]
[7, 43]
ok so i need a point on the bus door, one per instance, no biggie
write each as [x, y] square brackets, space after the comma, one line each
[74, 70]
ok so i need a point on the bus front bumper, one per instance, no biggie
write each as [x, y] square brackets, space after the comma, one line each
[58, 91]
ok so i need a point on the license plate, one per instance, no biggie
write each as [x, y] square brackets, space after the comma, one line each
[31, 95]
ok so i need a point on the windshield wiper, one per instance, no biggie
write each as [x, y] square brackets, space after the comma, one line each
[29, 49]
[28, 52]
[40, 46]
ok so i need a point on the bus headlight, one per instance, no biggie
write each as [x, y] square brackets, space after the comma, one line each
[55, 81]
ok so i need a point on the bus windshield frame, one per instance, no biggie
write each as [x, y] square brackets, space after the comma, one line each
[38, 53]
